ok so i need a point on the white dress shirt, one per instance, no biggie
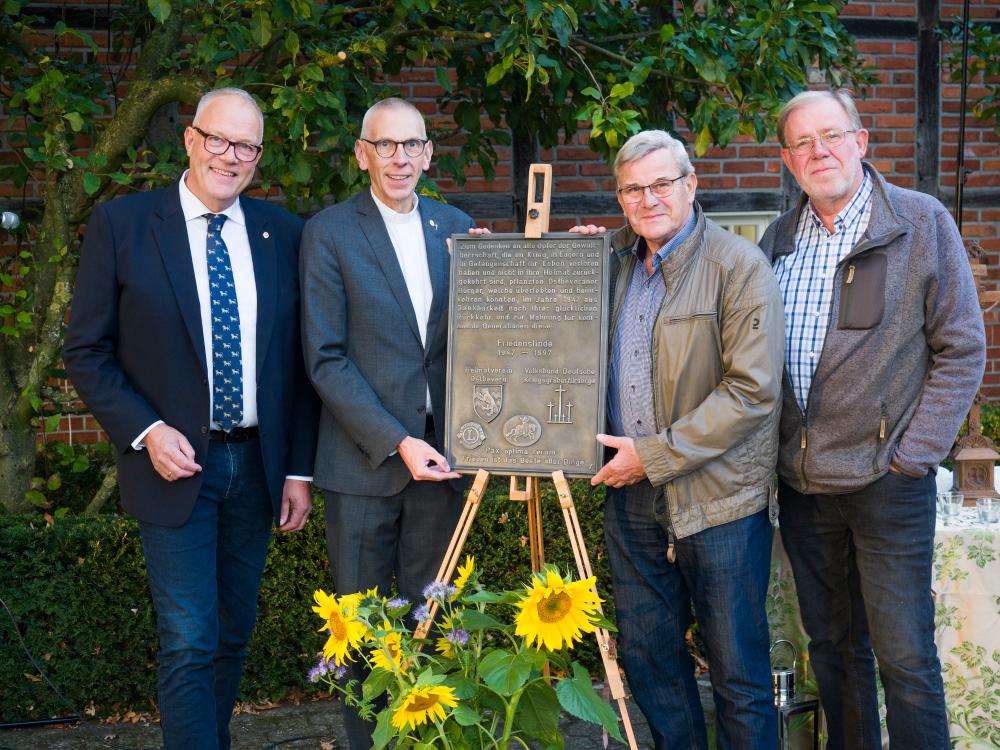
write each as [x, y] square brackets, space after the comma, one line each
[406, 231]
[234, 234]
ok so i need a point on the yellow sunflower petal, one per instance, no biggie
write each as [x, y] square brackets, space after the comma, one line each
[423, 704]
[393, 642]
[465, 572]
[340, 619]
[555, 614]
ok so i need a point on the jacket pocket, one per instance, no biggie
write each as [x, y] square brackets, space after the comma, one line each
[862, 292]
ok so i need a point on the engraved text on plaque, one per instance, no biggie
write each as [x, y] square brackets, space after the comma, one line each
[527, 353]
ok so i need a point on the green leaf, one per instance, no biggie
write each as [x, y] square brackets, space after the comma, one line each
[260, 27]
[467, 716]
[621, 90]
[160, 9]
[473, 620]
[35, 498]
[91, 183]
[577, 696]
[291, 44]
[376, 683]
[703, 141]
[53, 483]
[383, 730]
[52, 422]
[442, 78]
[75, 121]
[538, 712]
[591, 92]
[495, 74]
[503, 673]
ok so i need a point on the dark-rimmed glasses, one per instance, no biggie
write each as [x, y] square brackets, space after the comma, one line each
[386, 147]
[216, 144]
[660, 189]
[831, 139]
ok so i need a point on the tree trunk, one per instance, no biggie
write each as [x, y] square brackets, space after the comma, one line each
[17, 464]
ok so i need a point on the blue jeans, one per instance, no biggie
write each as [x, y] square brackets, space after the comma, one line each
[862, 566]
[204, 577]
[723, 571]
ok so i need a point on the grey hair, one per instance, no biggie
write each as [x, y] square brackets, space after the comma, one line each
[843, 97]
[648, 141]
[229, 91]
[392, 102]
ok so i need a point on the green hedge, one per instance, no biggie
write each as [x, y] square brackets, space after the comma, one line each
[79, 593]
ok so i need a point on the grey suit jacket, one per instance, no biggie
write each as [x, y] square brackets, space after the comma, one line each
[362, 345]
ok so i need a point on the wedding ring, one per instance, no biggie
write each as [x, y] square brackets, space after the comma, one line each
[170, 475]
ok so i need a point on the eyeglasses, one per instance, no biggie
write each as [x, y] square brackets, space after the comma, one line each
[831, 139]
[386, 148]
[660, 188]
[216, 144]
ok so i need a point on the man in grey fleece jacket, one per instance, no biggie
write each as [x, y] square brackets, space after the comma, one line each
[884, 353]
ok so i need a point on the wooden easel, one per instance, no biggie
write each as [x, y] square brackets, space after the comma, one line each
[537, 222]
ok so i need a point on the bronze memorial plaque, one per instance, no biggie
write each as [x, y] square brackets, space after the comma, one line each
[527, 348]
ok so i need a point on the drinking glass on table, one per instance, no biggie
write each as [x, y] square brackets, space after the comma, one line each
[988, 509]
[950, 505]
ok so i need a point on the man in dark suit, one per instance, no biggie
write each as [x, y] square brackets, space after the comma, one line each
[375, 326]
[204, 396]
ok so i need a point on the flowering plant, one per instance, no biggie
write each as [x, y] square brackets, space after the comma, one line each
[481, 681]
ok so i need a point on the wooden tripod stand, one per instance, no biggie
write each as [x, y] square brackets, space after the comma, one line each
[537, 222]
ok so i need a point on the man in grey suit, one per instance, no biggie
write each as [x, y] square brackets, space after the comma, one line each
[375, 329]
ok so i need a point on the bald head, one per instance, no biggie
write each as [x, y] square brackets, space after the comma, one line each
[390, 106]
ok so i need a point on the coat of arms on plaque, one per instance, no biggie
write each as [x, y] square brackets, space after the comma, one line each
[487, 401]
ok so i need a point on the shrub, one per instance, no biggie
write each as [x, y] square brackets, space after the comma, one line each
[79, 593]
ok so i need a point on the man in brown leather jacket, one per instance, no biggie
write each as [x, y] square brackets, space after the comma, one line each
[697, 335]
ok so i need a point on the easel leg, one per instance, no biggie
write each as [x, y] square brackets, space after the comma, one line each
[605, 644]
[532, 496]
[454, 551]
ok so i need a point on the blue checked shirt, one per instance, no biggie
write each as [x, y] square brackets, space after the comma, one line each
[806, 277]
[630, 383]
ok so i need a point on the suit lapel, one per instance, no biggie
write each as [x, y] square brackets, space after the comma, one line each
[265, 272]
[438, 261]
[378, 237]
[171, 237]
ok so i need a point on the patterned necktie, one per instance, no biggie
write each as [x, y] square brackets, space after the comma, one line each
[227, 383]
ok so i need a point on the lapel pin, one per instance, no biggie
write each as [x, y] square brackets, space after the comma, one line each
[434, 224]
[266, 235]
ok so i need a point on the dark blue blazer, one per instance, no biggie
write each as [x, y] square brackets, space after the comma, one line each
[136, 354]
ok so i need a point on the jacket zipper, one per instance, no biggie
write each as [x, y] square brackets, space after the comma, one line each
[881, 439]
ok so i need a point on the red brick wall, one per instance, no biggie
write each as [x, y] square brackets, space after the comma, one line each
[889, 112]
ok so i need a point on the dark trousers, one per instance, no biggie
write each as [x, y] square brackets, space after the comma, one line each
[373, 540]
[723, 571]
[862, 564]
[204, 577]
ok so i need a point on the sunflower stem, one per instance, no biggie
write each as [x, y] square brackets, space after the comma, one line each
[508, 722]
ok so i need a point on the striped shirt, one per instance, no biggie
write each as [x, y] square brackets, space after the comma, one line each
[806, 277]
[630, 381]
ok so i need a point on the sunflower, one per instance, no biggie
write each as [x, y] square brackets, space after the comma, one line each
[394, 643]
[555, 612]
[340, 618]
[442, 645]
[464, 574]
[423, 704]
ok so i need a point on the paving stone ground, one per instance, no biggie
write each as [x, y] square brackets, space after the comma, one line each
[315, 725]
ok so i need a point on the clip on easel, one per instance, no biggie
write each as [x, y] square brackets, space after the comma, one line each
[537, 222]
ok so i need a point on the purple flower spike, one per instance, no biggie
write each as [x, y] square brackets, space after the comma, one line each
[436, 590]
[421, 613]
[458, 637]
